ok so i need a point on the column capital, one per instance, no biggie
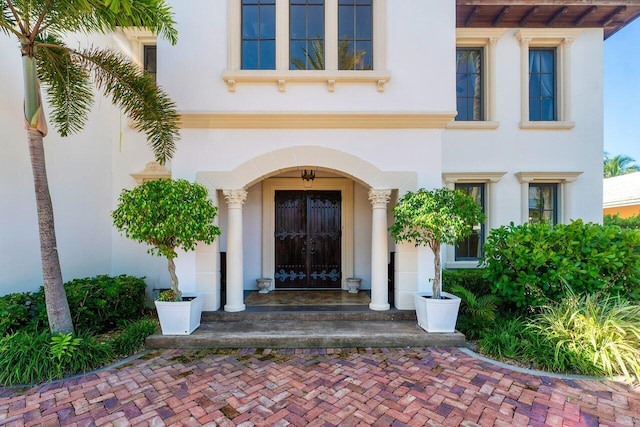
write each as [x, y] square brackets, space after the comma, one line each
[235, 198]
[379, 198]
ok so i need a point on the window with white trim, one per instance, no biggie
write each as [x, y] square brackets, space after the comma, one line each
[149, 60]
[285, 41]
[476, 78]
[545, 61]
[482, 187]
[470, 249]
[543, 203]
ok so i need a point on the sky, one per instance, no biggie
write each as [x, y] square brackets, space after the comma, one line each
[622, 92]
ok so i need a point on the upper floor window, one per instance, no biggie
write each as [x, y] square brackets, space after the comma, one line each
[469, 84]
[306, 34]
[306, 41]
[355, 35]
[545, 91]
[542, 85]
[149, 60]
[543, 203]
[258, 34]
[470, 249]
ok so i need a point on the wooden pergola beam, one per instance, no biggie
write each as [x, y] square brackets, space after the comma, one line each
[585, 15]
[528, 16]
[610, 17]
[472, 15]
[500, 15]
[557, 15]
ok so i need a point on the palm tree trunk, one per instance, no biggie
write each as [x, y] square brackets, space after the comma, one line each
[55, 296]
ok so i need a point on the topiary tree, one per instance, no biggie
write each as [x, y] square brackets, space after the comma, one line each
[167, 214]
[433, 218]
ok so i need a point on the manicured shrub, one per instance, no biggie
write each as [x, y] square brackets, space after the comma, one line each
[27, 358]
[505, 339]
[131, 337]
[15, 312]
[633, 222]
[98, 303]
[530, 264]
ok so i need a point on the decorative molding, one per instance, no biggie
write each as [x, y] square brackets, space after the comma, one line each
[473, 124]
[547, 36]
[235, 198]
[547, 125]
[287, 120]
[283, 77]
[153, 170]
[468, 177]
[379, 198]
[547, 177]
[466, 36]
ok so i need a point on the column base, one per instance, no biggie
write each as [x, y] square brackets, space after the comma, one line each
[379, 307]
[234, 308]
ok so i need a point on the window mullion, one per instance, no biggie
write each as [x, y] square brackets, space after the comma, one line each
[282, 34]
[331, 35]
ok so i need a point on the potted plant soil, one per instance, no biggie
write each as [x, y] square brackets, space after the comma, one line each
[433, 218]
[169, 215]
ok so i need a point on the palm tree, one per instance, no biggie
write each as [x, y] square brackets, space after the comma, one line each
[66, 74]
[619, 165]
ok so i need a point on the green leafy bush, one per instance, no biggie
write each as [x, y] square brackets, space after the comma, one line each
[27, 358]
[131, 338]
[529, 265]
[15, 312]
[97, 304]
[505, 339]
[632, 222]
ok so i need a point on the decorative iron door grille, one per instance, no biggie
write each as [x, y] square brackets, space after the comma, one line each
[308, 239]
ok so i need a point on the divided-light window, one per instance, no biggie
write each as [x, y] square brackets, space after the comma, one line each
[542, 85]
[351, 45]
[469, 84]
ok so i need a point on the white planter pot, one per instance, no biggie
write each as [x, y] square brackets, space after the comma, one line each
[436, 315]
[179, 318]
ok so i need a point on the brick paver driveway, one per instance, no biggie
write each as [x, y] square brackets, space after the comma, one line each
[410, 386]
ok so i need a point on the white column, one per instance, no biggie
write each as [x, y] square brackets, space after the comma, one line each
[524, 200]
[235, 297]
[565, 79]
[524, 80]
[567, 195]
[491, 90]
[379, 249]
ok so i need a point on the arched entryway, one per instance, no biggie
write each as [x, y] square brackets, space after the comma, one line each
[271, 169]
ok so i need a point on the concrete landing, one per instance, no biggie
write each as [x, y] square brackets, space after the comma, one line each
[308, 330]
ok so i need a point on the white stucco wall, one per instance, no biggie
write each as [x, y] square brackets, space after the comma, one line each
[79, 180]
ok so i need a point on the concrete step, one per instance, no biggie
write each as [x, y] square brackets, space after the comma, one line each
[307, 329]
[319, 313]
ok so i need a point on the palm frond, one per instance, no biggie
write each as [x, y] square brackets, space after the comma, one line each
[8, 22]
[67, 84]
[135, 92]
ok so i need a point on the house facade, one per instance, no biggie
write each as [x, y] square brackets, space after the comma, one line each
[307, 119]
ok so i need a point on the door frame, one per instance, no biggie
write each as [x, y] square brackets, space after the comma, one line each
[269, 187]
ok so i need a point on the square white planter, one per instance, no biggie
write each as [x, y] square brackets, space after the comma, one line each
[436, 315]
[179, 318]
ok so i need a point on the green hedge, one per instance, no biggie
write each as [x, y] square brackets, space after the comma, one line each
[632, 222]
[97, 304]
[531, 264]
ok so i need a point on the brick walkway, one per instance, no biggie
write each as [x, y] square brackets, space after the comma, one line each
[346, 387]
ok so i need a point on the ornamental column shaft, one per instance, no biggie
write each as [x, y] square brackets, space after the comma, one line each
[379, 249]
[235, 280]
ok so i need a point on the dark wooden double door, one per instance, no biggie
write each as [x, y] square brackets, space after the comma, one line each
[308, 240]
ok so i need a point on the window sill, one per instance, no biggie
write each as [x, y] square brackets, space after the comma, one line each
[483, 125]
[547, 125]
[455, 265]
[281, 78]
